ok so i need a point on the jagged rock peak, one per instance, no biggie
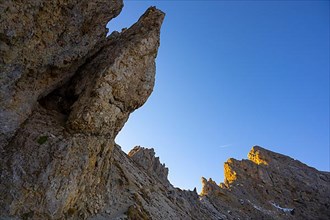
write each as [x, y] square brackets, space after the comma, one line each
[123, 80]
[271, 186]
[260, 155]
[146, 159]
[263, 156]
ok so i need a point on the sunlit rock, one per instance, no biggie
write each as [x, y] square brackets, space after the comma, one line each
[66, 92]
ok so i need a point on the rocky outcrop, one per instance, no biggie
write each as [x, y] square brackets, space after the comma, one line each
[134, 193]
[252, 190]
[145, 158]
[270, 186]
[66, 90]
[43, 43]
[118, 80]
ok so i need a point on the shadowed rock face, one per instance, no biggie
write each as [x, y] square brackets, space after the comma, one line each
[43, 43]
[67, 90]
[146, 159]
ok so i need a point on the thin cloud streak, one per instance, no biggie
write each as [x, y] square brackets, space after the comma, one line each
[225, 145]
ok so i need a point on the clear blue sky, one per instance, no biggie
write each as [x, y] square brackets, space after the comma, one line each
[230, 75]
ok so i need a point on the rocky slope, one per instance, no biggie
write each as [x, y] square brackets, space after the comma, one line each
[66, 90]
[270, 186]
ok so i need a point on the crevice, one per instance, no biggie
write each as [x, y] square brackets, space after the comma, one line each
[63, 97]
[60, 100]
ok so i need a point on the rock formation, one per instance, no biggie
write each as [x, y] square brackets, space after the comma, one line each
[146, 159]
[66, 90]
[43, 43]
[270, 186]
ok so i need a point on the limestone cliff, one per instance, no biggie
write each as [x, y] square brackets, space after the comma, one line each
[66, 90]
[270, 186]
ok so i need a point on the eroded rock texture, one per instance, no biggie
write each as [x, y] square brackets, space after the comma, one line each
[145, 158]
[67, 90]
[270, 186]
[43, 43]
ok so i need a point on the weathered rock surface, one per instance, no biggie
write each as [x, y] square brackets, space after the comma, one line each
[145, 158]
[43, 43]
[66, 90]
[63, 104]
[135, 194]
[270, 186]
